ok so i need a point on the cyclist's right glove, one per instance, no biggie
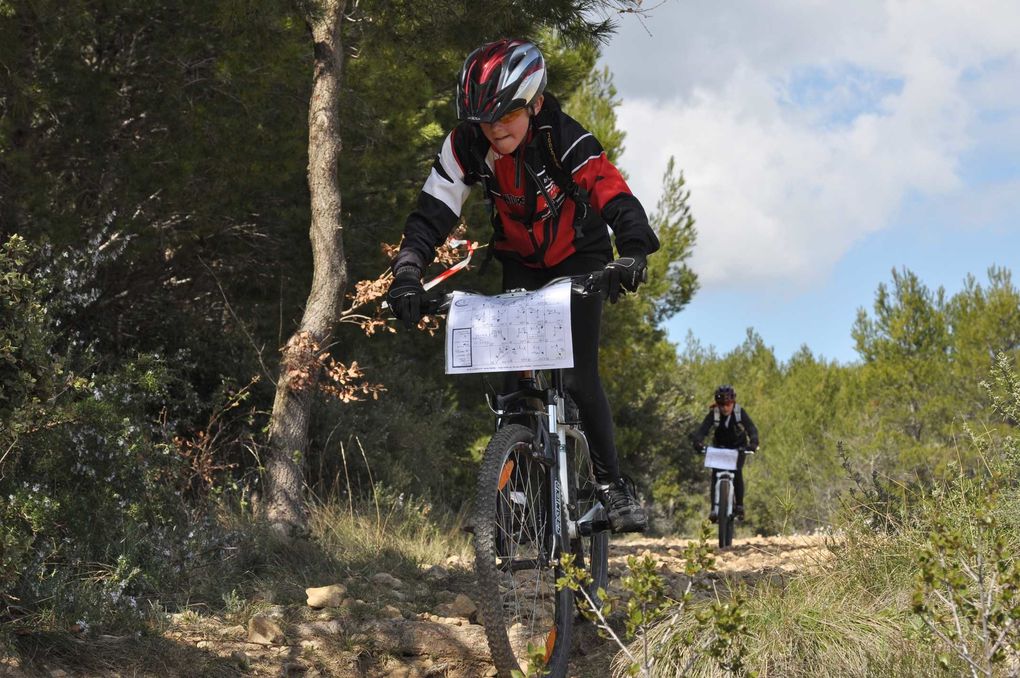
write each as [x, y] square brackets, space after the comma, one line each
[405, 295]
[699, 448]
[624, 275]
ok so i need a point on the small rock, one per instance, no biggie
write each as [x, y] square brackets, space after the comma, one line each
[236, 631]
[491, 672]
[311, 644]
[318, 628]
[265, 631]
[462, 606]
[450, 621]
[437, 573]
[241, 659]
[391, 612]
[326, 596]
[203, 644]
[386, 579]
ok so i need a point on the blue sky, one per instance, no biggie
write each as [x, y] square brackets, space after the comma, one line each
[825, 145]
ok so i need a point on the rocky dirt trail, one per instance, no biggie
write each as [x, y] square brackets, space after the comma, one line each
[379, 625]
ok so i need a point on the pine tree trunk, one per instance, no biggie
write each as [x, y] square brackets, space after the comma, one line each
[284, 500]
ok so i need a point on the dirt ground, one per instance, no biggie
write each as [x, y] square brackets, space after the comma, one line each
[401, 630]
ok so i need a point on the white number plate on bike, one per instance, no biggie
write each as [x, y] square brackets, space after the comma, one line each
[721, 459]
[507, 332]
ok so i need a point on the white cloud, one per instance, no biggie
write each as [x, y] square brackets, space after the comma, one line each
[802, 126]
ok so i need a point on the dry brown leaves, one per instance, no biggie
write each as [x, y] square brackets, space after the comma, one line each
[370, 291]
[305, 362]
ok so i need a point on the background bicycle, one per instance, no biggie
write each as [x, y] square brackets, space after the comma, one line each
[724, 461]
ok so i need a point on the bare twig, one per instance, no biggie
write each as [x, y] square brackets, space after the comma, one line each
[375, 494]
[244, 328]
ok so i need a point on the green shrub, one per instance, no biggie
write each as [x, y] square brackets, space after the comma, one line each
[95, 512]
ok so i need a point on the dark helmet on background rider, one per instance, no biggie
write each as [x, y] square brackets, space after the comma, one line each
[499, 77]
[725, 394]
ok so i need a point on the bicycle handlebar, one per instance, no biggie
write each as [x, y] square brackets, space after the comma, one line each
[584, 285]
[742, 450]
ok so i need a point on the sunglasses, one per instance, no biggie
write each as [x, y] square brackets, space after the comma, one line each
[512, 116]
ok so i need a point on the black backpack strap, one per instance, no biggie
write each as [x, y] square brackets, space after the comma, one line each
[497, 234]
[563, 178]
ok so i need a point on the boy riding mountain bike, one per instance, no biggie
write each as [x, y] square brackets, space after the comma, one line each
[553, 195]
[733, 430]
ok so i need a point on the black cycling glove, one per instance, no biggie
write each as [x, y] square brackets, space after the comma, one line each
[625, 273]
[405, 295]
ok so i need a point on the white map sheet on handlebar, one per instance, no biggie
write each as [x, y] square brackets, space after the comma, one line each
[506, 332]
[721, 458]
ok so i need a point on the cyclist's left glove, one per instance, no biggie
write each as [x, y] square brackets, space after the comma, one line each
[405, 295]
[625, 274]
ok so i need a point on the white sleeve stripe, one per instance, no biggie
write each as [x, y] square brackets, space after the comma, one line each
[567, 152]
[585, 162]
[450, 193]
[448, 159]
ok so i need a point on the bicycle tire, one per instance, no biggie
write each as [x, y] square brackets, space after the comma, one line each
[725, 519]
[511, 514]
[592, 551]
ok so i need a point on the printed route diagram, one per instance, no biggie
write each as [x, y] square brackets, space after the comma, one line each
[515, 331]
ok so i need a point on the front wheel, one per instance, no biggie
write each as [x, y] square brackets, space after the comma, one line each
[516, 561]
[725, 515]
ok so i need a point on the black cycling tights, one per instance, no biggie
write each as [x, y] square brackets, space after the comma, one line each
[582, 382]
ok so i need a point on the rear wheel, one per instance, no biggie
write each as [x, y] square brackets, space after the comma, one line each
[725, 515]
[516, 562]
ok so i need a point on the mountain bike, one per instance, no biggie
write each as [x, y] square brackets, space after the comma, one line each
[724, 462]
[536, 500]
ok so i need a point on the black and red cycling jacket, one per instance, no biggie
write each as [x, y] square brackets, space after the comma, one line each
[548, 237]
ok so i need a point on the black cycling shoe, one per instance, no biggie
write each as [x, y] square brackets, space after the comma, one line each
[713, 516]
[625, 514]
[738, 511]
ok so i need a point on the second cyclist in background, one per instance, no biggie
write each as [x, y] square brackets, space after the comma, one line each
[734, 430]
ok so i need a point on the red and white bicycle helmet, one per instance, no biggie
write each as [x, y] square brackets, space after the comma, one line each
[498, 78]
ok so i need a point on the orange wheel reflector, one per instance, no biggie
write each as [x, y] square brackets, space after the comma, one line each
[504, 476]
[550, 643]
